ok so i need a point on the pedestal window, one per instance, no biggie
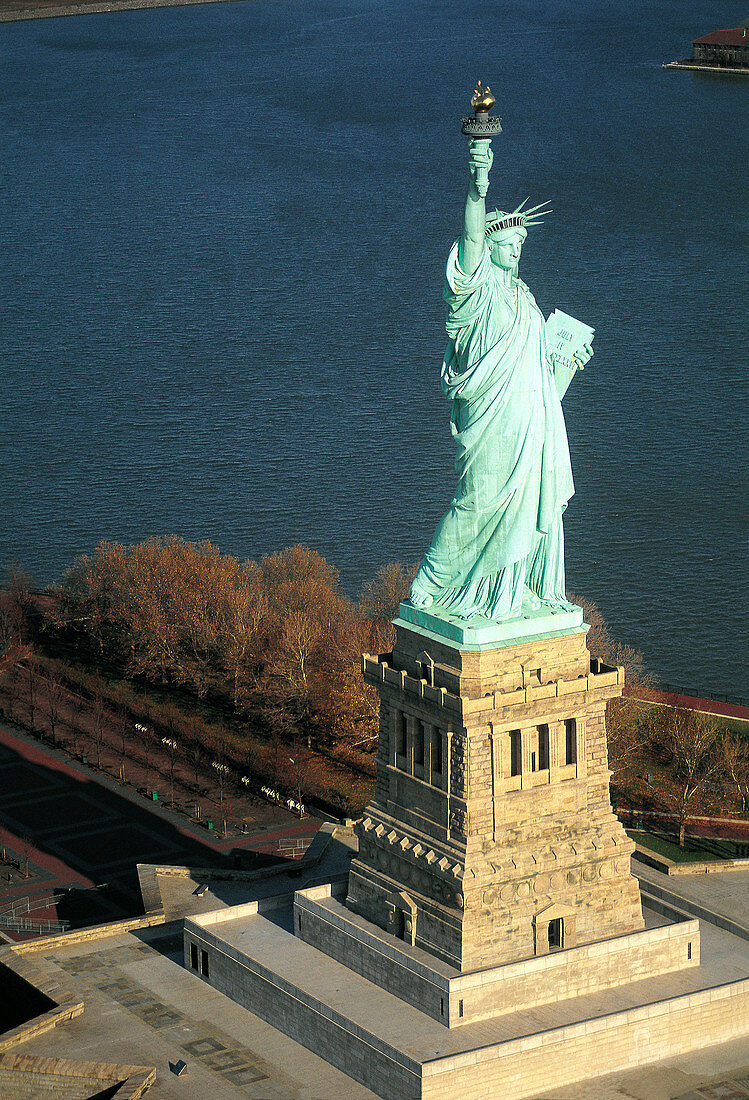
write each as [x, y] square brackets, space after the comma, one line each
[516, 751]
[556, 934]
[570, 730]
[543, 747]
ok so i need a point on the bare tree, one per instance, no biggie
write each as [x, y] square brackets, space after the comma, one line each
[380, 599]
[299, 769]
[123, 724]
[220, 766]
[690, 738]
[18, 599]
[54, 694]
[8, 633]
[196, 756]
[146, 743]
[14, 682]
[32, 696]
[734, 760]
[75, 729]
[98, 716]
[626, 735]
[170, 743]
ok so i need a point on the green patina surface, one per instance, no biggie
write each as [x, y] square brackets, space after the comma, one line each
[479, 632]
[497, 556]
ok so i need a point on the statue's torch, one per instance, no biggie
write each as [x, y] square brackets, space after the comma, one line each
[482, 128]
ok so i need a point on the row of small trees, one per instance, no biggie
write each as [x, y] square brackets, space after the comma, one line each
[143, 737]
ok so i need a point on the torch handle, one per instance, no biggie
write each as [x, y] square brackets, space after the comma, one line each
[482, 173]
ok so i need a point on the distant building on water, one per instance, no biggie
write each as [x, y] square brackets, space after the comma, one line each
[728, 48]
[726, 51]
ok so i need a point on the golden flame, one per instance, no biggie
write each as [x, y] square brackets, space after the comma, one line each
[483, 100]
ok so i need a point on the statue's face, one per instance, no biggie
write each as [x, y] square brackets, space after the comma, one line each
[506, 252]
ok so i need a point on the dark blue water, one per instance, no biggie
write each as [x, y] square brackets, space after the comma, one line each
[223, 237]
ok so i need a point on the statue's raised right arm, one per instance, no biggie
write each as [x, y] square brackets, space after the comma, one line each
[472, 238]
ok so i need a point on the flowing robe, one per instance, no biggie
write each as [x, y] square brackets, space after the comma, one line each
[503, 527]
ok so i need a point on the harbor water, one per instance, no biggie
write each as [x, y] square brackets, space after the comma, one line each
[222, 240]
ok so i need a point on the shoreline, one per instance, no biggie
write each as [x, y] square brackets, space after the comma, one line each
[95, 7]
[696, 67]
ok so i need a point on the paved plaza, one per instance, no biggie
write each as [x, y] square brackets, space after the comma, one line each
[143, 1007]
[82, 830]
[726, 893]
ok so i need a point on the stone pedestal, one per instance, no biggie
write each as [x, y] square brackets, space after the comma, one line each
[491, 838]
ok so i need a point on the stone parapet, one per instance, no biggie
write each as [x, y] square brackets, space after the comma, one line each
[34, 1075]
[457, 999]
[380, 674]
[624, 1040]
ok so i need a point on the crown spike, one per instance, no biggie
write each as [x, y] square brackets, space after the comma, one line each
[498, 220]
[532, 209]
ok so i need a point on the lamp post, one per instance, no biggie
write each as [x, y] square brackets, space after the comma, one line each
[298, 783]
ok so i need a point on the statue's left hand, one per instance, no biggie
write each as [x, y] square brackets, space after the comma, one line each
[582, 357]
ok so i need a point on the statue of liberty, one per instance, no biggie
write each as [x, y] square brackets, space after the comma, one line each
[498, 551]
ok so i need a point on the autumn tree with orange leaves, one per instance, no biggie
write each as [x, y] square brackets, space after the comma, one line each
[278, 639]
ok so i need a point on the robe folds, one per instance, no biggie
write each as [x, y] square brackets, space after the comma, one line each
[503, 528]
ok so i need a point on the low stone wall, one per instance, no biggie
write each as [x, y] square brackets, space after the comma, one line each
[456, 999]
[574, 973]
[671, 867]
[95, 932]
[532, 1065]
[65, 1004]
[677, 906]
[317, 1026]
[28, 1075]
[409, 974]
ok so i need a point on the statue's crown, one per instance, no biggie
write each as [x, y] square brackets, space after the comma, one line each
[497, 221]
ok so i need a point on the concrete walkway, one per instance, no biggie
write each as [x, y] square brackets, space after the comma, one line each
[724, 959]
[725, 893]
[143, 1007]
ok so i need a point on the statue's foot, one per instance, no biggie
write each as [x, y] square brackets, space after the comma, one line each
[560, 604]
[419, 596]
[533, 602]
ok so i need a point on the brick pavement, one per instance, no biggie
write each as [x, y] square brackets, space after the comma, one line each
[80, 829]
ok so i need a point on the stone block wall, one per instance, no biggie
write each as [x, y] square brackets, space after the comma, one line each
[517, 819]
[456, 999]
[573, 973]
[472, 673]
[517, 1068]
[532, 1065]
[368, 951]
[350, 1048]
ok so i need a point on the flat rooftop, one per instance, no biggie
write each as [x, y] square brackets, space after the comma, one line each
[142, 1007]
